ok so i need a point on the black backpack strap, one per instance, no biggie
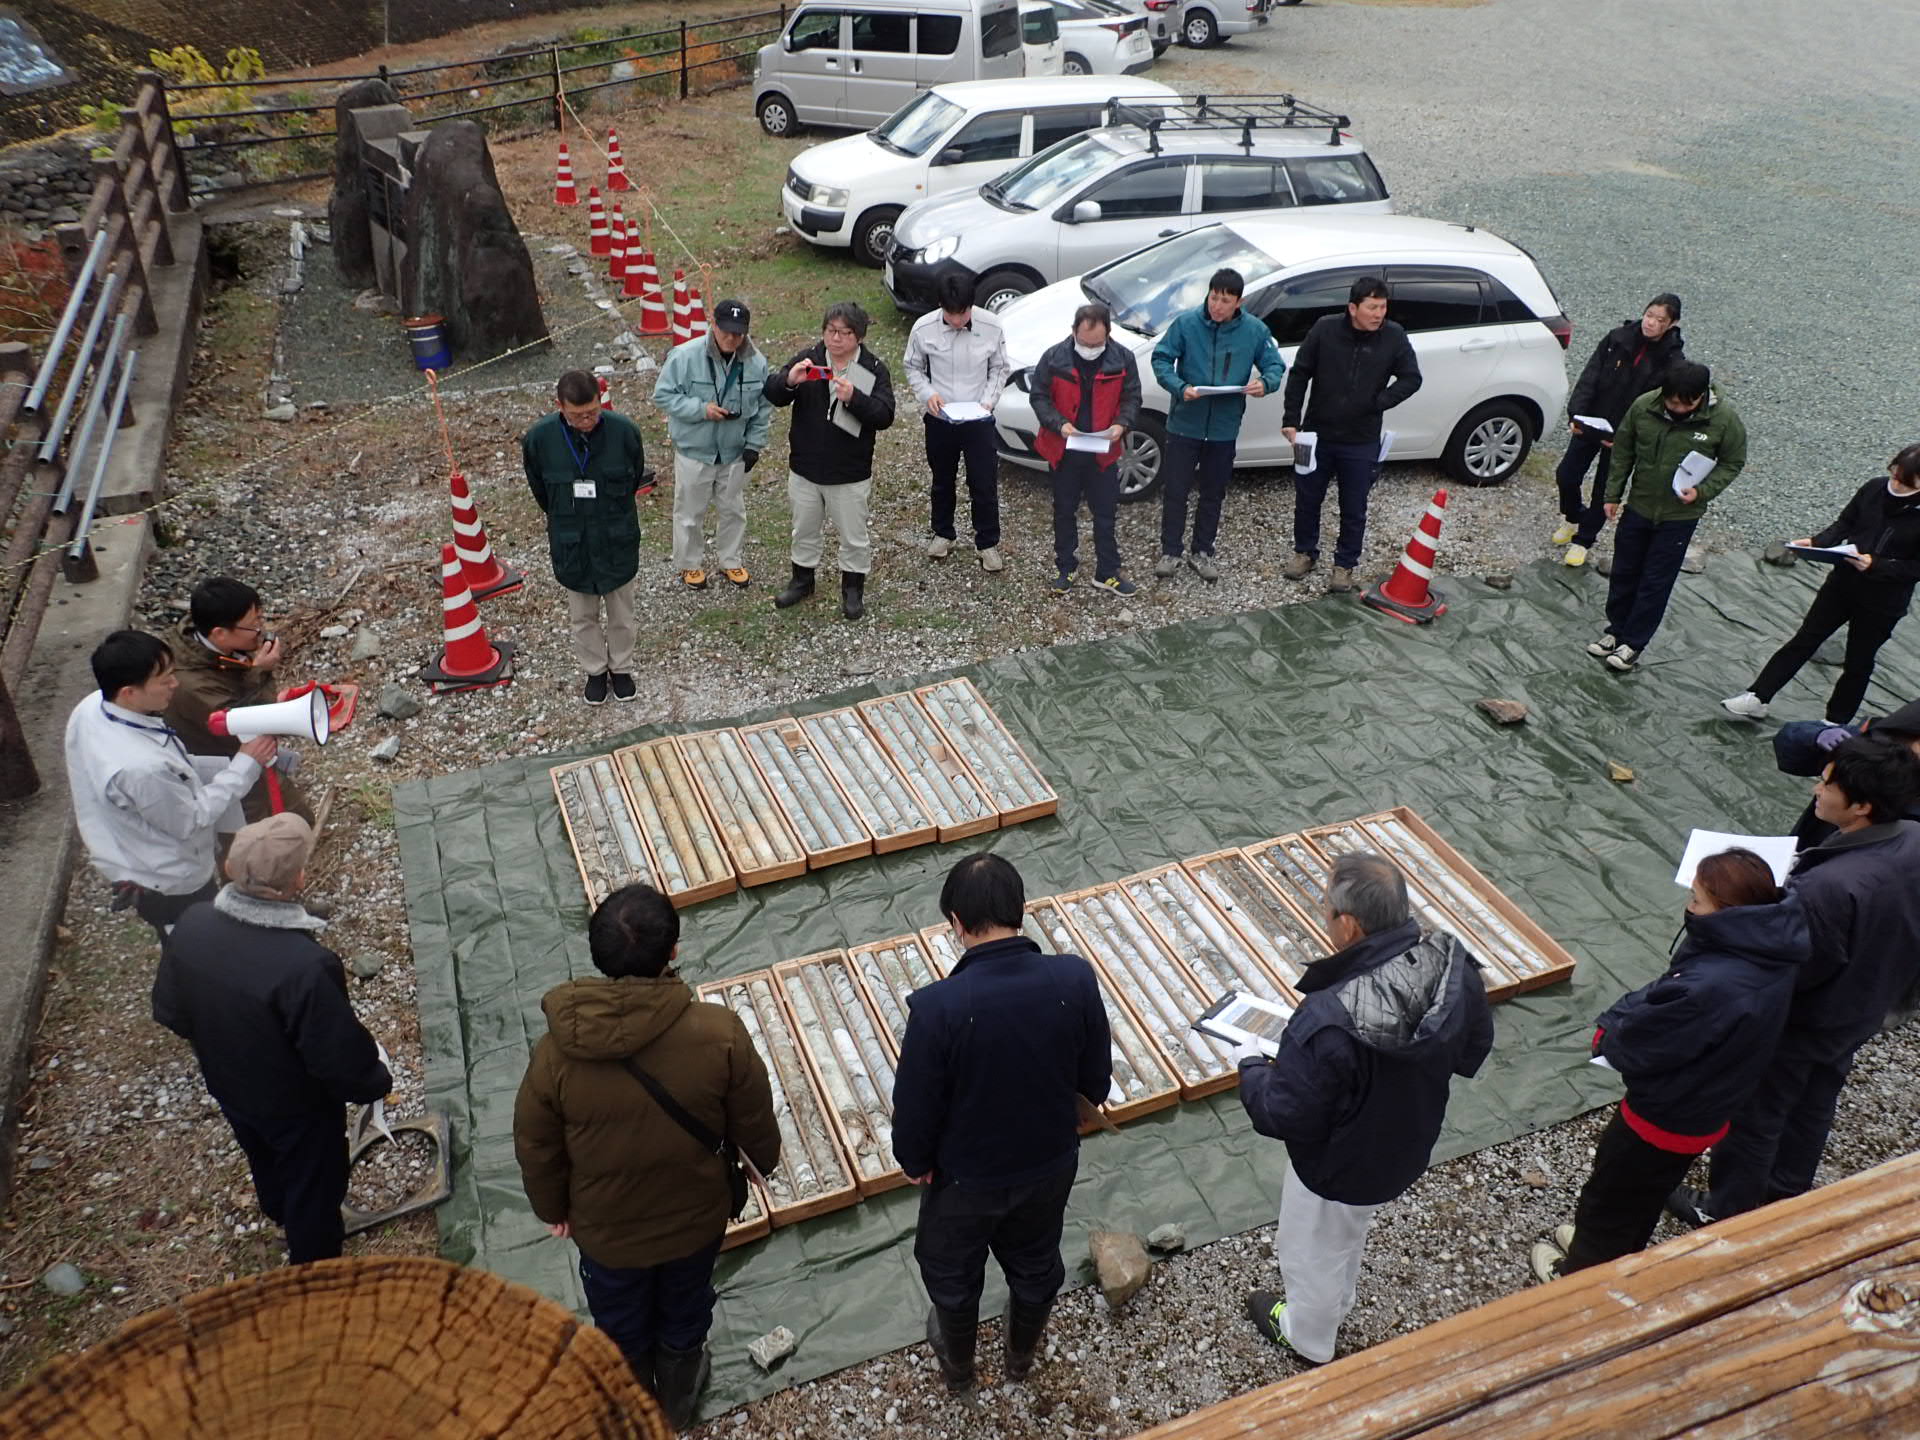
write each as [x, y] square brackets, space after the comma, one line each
[702, 1136]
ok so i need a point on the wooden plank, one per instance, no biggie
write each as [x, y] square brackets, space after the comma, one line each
[921, 752]
[889, 807]
[688, 857]
[608, 845]
[1758, 1325]
[981, 738]
[844, 1041]
[753, 1223]
[743, 807]
[818, 811]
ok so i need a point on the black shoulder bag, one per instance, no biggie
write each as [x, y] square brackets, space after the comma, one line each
[713, 1144]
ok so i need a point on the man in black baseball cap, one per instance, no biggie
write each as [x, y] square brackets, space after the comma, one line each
[718, 418]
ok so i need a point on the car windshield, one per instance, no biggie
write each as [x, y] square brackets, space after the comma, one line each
[916, 125]
[1052, 173]
[1146, 289]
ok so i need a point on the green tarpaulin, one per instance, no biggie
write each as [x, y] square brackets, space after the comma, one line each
[1163, 745]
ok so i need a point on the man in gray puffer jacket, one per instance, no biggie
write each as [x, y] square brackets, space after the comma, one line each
[1358, 1091]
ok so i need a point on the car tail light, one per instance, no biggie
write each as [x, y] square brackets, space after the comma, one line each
[1158, 5]
[1120, 27]
[1562, 329]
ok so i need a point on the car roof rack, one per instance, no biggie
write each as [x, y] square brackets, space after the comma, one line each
[1245, 113]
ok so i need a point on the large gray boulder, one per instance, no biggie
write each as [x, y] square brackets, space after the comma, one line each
[348, 206]
[465, 260]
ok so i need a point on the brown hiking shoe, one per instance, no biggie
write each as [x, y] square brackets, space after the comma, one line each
[694, 579]
[1298, 566]
[1341, 582]
[738, 575]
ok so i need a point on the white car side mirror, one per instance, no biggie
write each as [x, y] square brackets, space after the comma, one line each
[1086, 211]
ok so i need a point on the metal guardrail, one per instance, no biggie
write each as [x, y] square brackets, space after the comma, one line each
[60, 416]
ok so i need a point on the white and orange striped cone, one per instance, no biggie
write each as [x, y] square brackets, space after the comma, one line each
[653, 305]
[468, 660]
[485, 576]
[617, 246]
[696, 314]
[599, 238]
[1409, 595]
[606, 392]
[682, 331]
[616, 167]
[564, 192]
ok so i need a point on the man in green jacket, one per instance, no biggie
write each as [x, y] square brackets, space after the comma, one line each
[1677, 448]
[1213, 345]
[718, 420]
[604, 1165]
[584, 466]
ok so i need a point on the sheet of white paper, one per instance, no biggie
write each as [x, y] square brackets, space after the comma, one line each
[1777, 850]
[1306, 447]
[1092, 444]
[962, 410]
[1219, 389]
[1594, 422]
[1604, 1063]
[1692, 469]
[1845, 547]
[1386, 444]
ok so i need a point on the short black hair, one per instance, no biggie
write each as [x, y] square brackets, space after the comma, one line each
[220, 602]
[577, 387]
[129, 657]
[984, 890]
[1686, 379]
[1228, 282]
[1906, 466]
[954, 291]
[1367, 287]
[848, 313]
[1667, 301]
[633, 932]
[1093, 311]
[1883, 775]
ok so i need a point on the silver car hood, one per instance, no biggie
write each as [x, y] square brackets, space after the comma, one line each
[925, 221]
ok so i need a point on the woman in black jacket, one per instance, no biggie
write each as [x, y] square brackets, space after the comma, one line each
[1868, 593]
[1631, 359]
[1691, 1046]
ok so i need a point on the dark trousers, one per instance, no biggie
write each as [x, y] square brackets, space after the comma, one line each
[1213, 459]
[651, 1307]
[299, 1165]
[947, 444]
[1781, 1132]
[1589, 512]
[160, 911]
[1353, 467]
[1019, 1225]
[1646, 562]
[1844, 599]
[1077, 476]
[1621, 1201]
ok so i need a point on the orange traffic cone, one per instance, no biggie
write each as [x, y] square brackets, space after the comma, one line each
[468, 660]
[485, 576]
[563, 191]
[616, 167]
[1407, 595]
[682, 320]
[638, 262]
[606, 393]
[697, 315]
[653, 305]
[617, 246]
[599, 238]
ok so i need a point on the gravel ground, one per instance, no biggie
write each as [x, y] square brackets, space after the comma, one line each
[344, 530]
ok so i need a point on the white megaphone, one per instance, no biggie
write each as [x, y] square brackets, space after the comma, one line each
[304, 715]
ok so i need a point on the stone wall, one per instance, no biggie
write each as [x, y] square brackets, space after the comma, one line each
[45, 184]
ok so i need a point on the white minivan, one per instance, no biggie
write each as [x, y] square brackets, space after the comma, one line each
[851, 65]
[848, 192]
[1040, 38]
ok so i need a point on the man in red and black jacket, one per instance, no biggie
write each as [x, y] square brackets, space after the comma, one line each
[1084, 386]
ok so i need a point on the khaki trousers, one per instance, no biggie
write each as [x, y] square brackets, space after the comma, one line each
[696, 485]
[598, 647]
[844, 505]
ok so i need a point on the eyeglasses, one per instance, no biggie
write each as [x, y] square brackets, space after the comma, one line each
[837, 331]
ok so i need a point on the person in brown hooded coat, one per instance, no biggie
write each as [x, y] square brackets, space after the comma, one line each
[605, 1166]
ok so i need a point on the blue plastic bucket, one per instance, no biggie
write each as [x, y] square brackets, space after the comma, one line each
[429, 344]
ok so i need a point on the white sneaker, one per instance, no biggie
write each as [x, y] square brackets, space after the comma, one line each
[1623, 659]
[1166, 567]
[1565, 533]
[1576, 555]
[1603, 647]
[939, 548]
[990, 560]
[1746, 705]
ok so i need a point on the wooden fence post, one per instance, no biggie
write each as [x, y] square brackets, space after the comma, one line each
[559, 113]
[683, 59]
[18, 778]
[175, 193]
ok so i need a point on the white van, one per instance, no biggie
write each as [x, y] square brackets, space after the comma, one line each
[852, 65]
[848, 192]
[1040, 38]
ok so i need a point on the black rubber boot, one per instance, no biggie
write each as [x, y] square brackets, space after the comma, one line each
[679, 1377]
[641, 1363]
[798, 588]
[1025, 1325]
[952, 1335]
[853, 595]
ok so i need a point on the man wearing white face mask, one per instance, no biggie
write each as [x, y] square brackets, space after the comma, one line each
[1086, 389]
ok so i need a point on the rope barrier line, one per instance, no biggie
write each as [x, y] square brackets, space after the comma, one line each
[645, 193]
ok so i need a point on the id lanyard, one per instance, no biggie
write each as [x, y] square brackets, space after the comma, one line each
[166, 734]
[582, 453]
[729, 378]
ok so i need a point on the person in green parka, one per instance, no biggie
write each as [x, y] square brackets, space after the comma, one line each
[585, 467]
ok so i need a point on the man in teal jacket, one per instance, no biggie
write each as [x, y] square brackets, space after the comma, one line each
[584, 467]
[718, 420]
[1677, 448]
[1212, 345]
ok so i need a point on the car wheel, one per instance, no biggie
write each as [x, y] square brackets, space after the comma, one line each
[873, 234]
[1489, 445]
[1001, 288]
[1075, 65]
[776, 116]
[1199, 31]
[1140, 462]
